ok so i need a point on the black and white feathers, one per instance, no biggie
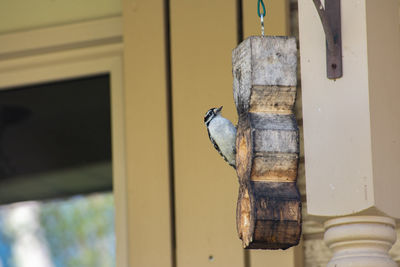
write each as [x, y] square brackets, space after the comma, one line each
[222, 134]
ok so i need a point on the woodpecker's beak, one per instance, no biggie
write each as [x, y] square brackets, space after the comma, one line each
[219, 109]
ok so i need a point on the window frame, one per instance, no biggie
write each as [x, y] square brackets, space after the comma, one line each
[79, 50]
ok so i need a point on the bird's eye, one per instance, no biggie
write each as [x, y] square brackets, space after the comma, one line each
[208, 115]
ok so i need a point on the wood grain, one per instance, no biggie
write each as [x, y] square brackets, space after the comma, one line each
[269, 206]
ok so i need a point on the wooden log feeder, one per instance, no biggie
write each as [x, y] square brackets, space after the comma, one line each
[267, 142]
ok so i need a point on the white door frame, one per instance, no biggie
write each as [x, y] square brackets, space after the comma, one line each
[68, 52]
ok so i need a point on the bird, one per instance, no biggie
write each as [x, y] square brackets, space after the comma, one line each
[222, 134]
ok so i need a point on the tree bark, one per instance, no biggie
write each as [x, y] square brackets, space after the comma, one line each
[267, 142]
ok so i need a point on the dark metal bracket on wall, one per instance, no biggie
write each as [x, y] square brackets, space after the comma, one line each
[331, 22]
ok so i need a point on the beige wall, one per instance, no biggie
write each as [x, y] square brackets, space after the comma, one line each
[147, 150]
[205, 186]
[203, 34]
[26, 15]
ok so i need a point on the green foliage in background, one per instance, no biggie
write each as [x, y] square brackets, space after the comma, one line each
[80, 230]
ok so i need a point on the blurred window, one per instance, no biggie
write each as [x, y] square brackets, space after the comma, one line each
[57, 206]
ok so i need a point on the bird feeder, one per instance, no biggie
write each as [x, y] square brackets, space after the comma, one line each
[267, 142]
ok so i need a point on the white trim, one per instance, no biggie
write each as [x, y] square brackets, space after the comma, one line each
[77, 63]
[41, 66]
[59, 37]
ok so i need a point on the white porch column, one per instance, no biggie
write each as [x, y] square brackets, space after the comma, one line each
[352, 130]
[360, 241]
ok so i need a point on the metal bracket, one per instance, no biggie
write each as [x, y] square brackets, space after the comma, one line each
[331, 22]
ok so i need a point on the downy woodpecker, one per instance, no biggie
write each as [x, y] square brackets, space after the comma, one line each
[222, 134]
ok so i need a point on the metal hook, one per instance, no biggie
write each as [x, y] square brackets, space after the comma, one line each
[261, 3]
[262, 25]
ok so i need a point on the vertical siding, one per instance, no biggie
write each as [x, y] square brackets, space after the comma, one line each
[185, 63]
[147, 154]
[203, 34]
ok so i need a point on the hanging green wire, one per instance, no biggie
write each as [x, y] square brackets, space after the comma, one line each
[261, 3]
